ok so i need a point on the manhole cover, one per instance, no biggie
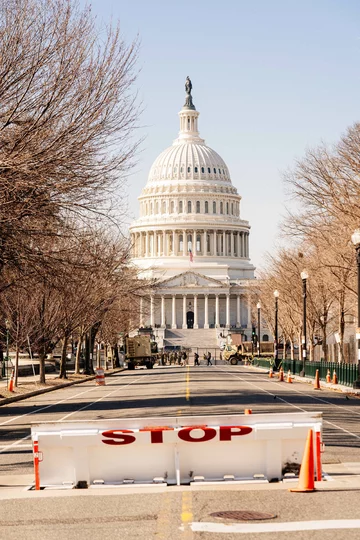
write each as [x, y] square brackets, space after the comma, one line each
[242, 515]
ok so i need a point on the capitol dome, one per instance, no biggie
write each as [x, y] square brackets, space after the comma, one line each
[190, 208]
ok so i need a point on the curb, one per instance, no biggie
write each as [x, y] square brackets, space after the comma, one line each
[5, 401]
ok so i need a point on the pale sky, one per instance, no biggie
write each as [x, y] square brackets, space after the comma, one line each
[270, 78]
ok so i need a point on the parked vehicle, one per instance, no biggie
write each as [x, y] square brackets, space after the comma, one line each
[140, 351]
[232, 354]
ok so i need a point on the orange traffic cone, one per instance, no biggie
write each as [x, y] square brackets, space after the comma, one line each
[11, 381]
[271, 373]
[307, 469]
[248, 411]
[281, 375]
[334, 379]
[317, 380]
[328, 376]
[289, 379]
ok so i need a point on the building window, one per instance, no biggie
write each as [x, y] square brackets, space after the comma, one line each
[198, 243]
[151, 209]
[214, 170]
[206, 207]
[221, 208]
[198, 207]
[181, 169]
[157, 207]
[227, 207]
[180, 242]
[265, 337]
[172, 207]
[196, 169]
[232, 208]
[202, 170]
[188, 169]
[214, 207]
[189, 207]
[219, 171]
[208, 243]
[209, 171]
[180, 207]
[164, 207]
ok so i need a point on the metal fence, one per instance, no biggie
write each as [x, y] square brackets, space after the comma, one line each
[347, 374]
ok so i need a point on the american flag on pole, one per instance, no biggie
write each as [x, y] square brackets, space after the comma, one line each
[191, 255]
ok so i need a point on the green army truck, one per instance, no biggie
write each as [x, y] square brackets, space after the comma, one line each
[140, 351]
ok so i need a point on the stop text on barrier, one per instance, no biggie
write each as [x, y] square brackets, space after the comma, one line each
[191, 434]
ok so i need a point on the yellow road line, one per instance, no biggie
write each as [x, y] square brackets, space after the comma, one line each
[187, 390]
[186, 514]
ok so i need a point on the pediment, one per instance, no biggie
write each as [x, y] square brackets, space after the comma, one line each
[191, 279]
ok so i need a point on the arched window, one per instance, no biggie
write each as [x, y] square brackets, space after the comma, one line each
[189, 207]
[188, 169]
[180, 207]
[209, 171]
[214, 170]
[219, 171]
[202, 170]
[181, 169]
[232, 208]
[198, 243]
[221, 208]
[206, 207]
[151, 208]
[208, 243]
[198, 207]
[214, 207]
[196, 169]
[164, 207]
[227, 207]
[265, 337]
[172, 207]
[181, 242]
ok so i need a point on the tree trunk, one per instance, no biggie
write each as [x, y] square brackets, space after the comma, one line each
[42, 367]
[116, 356]
[292, 352]
[78, 354]
[341, 331]
[63, 374]
[16, 364]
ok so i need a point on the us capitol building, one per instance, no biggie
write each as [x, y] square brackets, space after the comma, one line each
[190, 236]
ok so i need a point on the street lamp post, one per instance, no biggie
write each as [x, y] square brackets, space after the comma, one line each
[276, 344]
[258, 339]
[7, 325]
[304, 277]
[356, 241]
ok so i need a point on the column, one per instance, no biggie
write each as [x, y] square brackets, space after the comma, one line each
[227, 323]
[238, 245]
[184, 324]
[247, 245]
[249, 313]
[155, 244]
[184, 246]
[163, 312]
[214, 244]
[152, 311]
[174, 250]
[204, 251]
[196, 325]
[173, 312]
[141, 321]
[147, 244]
[231, 243]
[164, 244]
[242, 244]
[224, 244]
[238, 312]
[206, 311]
[217, 323]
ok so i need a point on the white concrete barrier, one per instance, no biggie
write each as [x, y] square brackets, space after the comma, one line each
[174, 450]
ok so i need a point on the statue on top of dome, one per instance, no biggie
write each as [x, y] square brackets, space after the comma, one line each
[188, 87]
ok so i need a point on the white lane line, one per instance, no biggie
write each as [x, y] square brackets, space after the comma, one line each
[288, 402]
[247, 528]
[51, 405]
[17, 443]
[93, 402]
[5, 446]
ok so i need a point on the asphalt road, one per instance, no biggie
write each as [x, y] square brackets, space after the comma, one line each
[175, 391]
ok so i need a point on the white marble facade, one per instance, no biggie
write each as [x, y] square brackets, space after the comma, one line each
[190, 236]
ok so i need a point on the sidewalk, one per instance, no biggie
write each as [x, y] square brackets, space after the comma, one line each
[29, 386]
[308, 380]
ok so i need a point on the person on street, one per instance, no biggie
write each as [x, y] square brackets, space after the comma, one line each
[184, 358]
[196, 359]
[208, 358]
